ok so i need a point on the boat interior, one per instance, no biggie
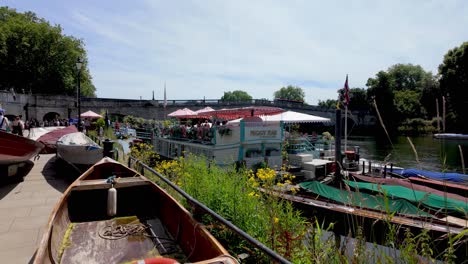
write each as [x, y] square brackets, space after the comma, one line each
[148, 223]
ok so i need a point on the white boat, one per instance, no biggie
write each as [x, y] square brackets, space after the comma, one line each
[79, 150]
[450, 136]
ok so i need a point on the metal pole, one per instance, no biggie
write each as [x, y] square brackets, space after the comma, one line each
[79, 102]
[346, 128]
[338, 144]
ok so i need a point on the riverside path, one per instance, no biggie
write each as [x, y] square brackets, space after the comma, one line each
[25, 208]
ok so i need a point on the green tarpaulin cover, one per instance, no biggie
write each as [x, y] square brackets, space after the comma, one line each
[363, 200]
[429, 200]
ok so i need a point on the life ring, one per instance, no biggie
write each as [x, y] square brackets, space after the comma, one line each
[156, 261]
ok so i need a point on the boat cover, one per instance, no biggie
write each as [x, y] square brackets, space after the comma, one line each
[428, 200]
[363, 200]
[444, 176]
[50, 139]
[408, 184]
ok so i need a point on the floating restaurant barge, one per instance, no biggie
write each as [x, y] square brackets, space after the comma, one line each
[250, 141]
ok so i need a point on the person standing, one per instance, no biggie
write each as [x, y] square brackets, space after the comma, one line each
[4, 124]
[18, 126]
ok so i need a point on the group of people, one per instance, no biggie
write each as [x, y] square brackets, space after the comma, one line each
[16, 126]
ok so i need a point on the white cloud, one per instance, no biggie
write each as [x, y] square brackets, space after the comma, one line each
[204, 48]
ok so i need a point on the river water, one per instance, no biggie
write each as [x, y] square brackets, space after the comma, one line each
[433, 154]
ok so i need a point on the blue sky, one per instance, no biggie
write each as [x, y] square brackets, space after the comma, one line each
[203, 48]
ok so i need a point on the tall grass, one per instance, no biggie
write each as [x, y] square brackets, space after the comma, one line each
[234, 194]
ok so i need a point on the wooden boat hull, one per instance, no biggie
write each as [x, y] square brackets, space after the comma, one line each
[16, 149]
[84, 206]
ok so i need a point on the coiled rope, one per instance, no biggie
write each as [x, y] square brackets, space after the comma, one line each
[164, 245]
[120, 231]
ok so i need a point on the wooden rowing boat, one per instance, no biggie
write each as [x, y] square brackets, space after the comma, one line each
[142, 221]
[16, 149]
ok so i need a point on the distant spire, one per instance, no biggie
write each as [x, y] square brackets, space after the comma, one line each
[165, 98]
[153, 95]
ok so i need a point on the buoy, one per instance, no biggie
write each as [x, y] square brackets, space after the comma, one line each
[156, 261]
[112, 201]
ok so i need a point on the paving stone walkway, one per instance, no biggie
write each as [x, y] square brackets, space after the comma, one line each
[25, 208]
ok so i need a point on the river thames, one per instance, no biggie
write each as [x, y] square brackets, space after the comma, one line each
[433, 154]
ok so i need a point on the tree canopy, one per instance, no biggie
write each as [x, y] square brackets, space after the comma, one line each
[37, 57]
[398, 93]
[294, 93]
[236, 96]
[454, 82]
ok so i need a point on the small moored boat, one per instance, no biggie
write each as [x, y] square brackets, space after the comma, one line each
[451, 136]
[16, 149]
[79, 150]
[112, 214]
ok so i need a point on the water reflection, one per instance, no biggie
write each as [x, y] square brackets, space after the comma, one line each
[433, 154]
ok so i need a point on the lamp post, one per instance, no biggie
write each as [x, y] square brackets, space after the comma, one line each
[79, 64]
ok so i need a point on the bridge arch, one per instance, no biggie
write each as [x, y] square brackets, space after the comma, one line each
[51, 116]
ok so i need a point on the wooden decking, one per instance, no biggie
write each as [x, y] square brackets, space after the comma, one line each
[25, 208]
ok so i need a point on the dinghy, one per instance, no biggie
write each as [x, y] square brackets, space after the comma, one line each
[79, 150]
[112, 214]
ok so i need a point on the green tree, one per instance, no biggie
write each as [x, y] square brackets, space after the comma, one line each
[290, 92]
[379, 90]
[454, 82]
[327, 104]
[399, 94]
[357, 99]
[236, 96]
[37, 57]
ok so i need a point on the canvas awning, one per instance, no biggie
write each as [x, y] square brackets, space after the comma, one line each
[90, 114]
[291, 117]
[296, 117]
[203, 110]
[183, 113]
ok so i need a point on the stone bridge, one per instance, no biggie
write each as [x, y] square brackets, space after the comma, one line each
[47, 107]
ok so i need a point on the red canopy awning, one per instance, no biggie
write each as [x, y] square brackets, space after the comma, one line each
[234, 113]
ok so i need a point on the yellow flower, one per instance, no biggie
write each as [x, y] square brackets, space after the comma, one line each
[276, 220]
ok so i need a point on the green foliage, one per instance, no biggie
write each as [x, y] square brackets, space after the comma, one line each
[236, 96]
[35, 56]
[408, 103]
[327, 104]
[454, 82]
[417, 126]
[136, 121]
[399, 92]
[290, 92]
[100, 122]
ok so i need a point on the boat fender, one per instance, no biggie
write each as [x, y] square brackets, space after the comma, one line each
[156, 261]
[112, 201]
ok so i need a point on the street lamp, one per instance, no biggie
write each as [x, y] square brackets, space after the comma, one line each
[79, 64]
